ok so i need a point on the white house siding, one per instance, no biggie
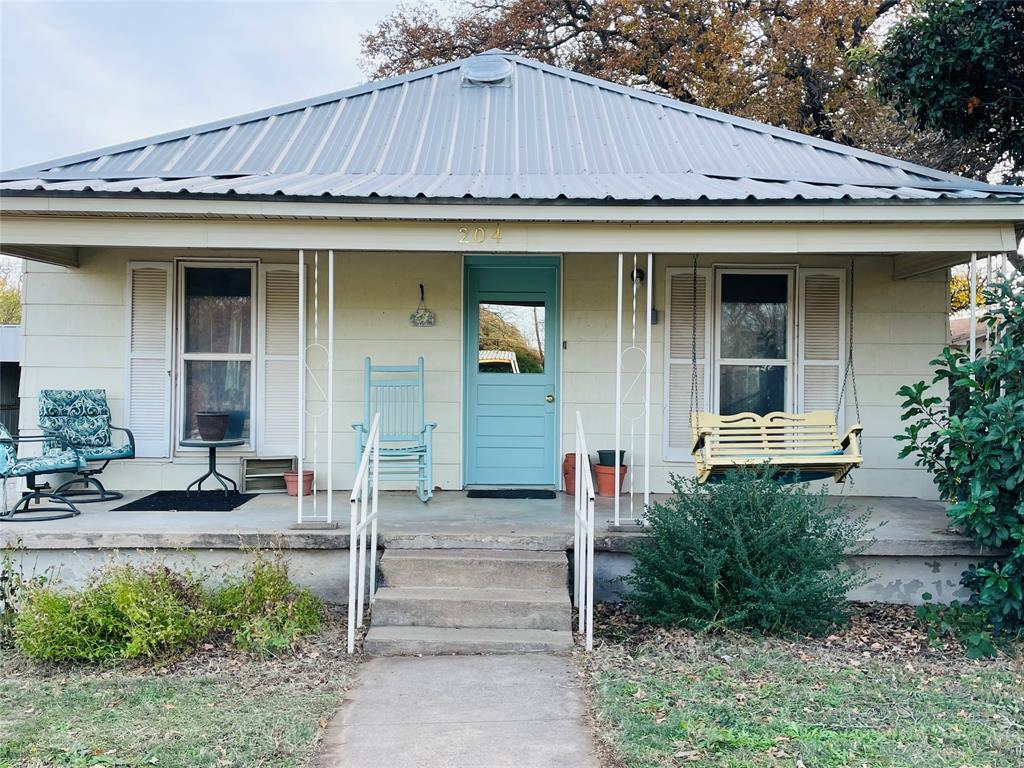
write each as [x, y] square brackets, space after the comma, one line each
[75, 337]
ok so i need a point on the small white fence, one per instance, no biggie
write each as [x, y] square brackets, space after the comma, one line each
[583, 538]
[362, 517]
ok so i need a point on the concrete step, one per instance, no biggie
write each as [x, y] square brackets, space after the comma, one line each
[503, 568]
[433, 641]
[472, 607]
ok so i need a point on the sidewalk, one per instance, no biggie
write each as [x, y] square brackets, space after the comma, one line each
[521, 711]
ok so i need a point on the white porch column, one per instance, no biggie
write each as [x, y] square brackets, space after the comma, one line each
[618, 384]
[973, 288]
[301, 389]
[648, 308]
[330, 387]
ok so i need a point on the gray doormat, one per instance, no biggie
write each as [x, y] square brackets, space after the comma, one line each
[511, 493]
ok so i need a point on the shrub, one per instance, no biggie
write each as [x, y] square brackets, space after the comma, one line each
[966, 624]
[975, 453]
[127, 612]
[13, 582]
[265, 610]
[746, 553]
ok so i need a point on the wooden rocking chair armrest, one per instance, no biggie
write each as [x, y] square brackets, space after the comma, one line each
[698, 440]
[429, 426]
[358, 426]
[851, 434]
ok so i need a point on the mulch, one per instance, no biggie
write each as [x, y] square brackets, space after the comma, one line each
[876, 631]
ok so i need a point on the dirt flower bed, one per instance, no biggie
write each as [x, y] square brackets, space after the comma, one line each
[218, 707]
[874, 694]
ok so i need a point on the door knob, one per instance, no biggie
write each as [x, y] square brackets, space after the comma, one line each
[550, 398]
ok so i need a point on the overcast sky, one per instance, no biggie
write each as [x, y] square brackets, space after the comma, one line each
[81, 75]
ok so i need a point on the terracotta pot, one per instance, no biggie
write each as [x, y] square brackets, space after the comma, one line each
[291, 482]
[569, 473]
[213, 425]
[606, 479]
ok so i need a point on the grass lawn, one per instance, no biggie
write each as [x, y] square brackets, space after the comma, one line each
[217, 708]
[664, 698]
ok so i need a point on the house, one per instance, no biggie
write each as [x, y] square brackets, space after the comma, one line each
[166, 270]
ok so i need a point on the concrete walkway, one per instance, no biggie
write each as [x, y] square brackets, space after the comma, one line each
[522, 711]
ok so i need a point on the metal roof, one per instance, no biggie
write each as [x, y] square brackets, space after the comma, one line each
[521, 131]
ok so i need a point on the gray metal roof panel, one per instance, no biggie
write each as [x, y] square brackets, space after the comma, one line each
[550, 134]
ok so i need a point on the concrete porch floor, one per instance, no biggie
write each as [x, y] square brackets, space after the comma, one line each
[901, 526]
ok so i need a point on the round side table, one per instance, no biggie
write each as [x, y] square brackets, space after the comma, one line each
[213, 445]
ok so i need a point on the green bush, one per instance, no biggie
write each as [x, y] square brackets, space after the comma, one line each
[746, 553]
[974, 450]
[966, 624]
[126, 612]
[13, 583]
[265, 610]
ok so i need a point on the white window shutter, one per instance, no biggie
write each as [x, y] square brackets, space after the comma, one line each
[148, 367]
[277, 426]
[822, 306]
[683, 310]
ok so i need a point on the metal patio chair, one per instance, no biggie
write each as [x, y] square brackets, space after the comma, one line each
[81, 419]
[11, 466]
[396, 392]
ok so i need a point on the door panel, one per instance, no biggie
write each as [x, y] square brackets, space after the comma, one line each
[512, 364]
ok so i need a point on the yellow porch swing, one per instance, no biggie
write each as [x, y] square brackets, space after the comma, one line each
[802, 446]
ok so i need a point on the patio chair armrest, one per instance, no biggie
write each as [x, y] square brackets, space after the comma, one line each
[851, 436]
[49, 437]
[358, 426]
[429, 426]
[128, 434]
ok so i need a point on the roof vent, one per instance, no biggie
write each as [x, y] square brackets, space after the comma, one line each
[487, 70]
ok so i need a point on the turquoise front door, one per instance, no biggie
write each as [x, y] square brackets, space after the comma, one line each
[512, 363]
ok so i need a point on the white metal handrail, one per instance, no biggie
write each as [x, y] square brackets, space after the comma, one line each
[583, 538]
[362, 516]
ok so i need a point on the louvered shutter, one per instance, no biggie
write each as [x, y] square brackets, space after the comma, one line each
[278, 426]
[148, 385]
[822, 306]
[683, 309]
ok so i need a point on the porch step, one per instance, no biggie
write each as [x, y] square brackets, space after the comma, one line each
[501, 568]
[494, 608]
[405, 641]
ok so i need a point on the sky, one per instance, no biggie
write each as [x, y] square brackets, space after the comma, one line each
[79, 75]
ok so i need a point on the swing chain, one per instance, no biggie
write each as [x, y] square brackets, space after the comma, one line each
[850, 373]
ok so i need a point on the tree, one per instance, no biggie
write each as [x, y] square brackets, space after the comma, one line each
[10, 292]
[799, 64]
[973, 450]
[960, 293]
[957, 67]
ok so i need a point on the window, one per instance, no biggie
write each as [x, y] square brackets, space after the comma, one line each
[762, 340]
[217, 332]
[754, 350]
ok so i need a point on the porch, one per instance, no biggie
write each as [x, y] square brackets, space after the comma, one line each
[913, 550]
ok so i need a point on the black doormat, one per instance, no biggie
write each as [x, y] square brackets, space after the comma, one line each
[511, 493]
[177, 501]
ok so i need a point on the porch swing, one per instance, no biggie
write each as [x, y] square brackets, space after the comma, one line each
[801, 446]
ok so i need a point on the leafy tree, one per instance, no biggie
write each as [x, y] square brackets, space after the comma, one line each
[975, 450]
[957, 67]
[960, 293]
[10, 303]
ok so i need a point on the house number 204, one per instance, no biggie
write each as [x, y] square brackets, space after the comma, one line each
[470, 235]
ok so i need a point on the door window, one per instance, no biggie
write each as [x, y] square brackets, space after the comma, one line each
[511, 337]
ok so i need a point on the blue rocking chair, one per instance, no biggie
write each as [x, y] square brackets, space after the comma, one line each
[396, 392]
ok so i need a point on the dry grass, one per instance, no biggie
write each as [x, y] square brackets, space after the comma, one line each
[219, 707]
[874, 694]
